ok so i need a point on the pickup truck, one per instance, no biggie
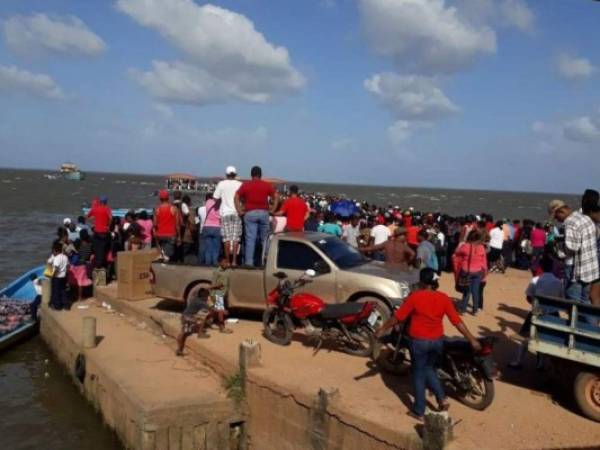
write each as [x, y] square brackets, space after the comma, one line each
[567, 333]
[343, 275]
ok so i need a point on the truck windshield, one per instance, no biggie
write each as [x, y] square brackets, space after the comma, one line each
[342, 254]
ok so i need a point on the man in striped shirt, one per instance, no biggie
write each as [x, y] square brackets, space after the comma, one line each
[581, 262]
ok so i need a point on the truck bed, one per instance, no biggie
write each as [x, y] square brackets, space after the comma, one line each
[566, 329]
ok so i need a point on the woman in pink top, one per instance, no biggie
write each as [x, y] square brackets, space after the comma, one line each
[470, 261]
[146, 226]
[538, 243]
[211, 234]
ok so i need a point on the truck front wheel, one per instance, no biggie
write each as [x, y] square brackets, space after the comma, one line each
[278, 326]
[383, 310]
[587, 394]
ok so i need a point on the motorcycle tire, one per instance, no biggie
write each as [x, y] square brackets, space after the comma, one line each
[479, 403]
[366, 337]
[277, 326]
[385, 359]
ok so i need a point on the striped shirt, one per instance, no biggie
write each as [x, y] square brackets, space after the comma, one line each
[581, 243]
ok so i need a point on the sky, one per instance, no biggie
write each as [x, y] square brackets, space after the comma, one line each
[481, 94]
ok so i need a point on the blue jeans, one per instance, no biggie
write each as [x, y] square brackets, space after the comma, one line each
[576, 289]
[211, 245]
[474, 290]
[425, 355]
[256, 224]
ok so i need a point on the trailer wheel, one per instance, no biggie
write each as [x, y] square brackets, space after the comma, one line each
[587, 394]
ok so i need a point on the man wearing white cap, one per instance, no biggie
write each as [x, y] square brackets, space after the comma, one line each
[231, 223]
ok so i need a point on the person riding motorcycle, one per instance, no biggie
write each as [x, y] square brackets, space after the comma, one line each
[427, 308]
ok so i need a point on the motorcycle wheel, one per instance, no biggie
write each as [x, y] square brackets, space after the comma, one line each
[478, 400]
[365, 342]
[277, 326]
[395, 364]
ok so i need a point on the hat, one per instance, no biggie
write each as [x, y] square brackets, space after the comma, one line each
[554, 206]
[163, 194]
[66, 221]
[380, 220]
[230, 170]
[103, 199]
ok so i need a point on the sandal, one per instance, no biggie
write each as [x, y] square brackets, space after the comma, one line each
[443, 406]
[415, 416]
[226, 331]
[179, 353]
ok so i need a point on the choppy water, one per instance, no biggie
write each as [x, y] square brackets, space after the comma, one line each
[39, 412]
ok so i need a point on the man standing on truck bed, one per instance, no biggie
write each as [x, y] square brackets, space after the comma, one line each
[231, 224]
[167, 225]
[255, 195]
[295, 210]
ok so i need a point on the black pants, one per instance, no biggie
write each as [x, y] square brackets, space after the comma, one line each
[101, 246]
[58, 294]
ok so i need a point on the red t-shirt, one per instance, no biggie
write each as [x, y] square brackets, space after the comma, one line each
[255, 194]
[102, 215]
[295, 210]
[427, 310]
[411, 235]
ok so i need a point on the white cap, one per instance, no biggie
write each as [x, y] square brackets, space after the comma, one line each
[66, 221]
[230, 170]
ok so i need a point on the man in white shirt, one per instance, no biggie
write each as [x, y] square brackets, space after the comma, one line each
[60, 265]
[496, 243]
[380, 233]
[231, 223]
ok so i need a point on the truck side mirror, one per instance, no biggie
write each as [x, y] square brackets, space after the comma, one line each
[321, 267]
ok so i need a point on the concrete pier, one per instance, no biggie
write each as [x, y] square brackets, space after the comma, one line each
[152, 399]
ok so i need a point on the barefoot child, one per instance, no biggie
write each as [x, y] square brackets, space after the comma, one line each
[219, 291]
[190, 323]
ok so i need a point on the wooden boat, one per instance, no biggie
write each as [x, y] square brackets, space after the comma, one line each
[70, 171]
[23, 290]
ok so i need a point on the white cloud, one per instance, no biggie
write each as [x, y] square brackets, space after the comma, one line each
[344, 144]
[410, 97]
[573, 67]
[424, 35]
[164, 110]
[14, 80]
[583, 129]
[401, 130]
[40, 34]
[516, 13]
[225, 57]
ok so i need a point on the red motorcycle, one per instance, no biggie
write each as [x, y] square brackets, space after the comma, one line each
[349, 325]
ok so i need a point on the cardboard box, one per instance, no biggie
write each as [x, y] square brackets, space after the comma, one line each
[133, 274]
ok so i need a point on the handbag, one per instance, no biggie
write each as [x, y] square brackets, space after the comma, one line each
[463, 281]
[49, 271]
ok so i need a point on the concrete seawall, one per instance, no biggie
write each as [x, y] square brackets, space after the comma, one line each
[152, 400]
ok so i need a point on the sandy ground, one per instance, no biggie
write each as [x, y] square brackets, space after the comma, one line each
[527, 413]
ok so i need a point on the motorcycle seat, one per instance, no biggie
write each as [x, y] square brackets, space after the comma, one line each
[341, 310]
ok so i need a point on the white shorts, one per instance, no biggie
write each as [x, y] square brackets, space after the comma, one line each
[219, 303]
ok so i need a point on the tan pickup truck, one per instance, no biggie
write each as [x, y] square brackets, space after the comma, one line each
[343, 275]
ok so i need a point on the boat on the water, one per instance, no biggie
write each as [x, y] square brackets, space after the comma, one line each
[188, 184]
[70, 171]
[19, 303]
[121, 212]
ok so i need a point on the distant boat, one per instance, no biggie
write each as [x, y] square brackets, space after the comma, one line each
[70, 171]
[187, 183]
[21, 291]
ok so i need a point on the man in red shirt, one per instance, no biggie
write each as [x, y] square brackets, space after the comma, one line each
[100, 216]
[167, 225]
[254, 200]
[295, 210]
[427, 309]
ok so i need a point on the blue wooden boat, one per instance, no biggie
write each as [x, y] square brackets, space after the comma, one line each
[121, 212]
[22, 290]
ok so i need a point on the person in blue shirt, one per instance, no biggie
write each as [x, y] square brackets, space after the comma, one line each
[330, 226]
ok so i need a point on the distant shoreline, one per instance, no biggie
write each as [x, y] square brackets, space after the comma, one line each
[322, 183]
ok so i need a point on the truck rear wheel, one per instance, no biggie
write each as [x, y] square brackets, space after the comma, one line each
[193, 292]
[587, 394]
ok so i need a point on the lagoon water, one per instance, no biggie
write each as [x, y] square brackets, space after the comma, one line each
[47, 412]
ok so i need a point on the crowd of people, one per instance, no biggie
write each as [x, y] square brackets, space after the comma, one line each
[235, 220]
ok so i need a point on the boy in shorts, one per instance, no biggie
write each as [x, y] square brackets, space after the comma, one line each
[190, 322]
[219, 291]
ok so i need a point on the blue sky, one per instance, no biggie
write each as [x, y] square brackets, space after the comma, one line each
[499, 94]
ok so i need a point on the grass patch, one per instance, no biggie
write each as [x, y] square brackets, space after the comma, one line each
[234, 385]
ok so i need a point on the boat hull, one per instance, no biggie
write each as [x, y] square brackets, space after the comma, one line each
[74, 176]
[22, 289]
